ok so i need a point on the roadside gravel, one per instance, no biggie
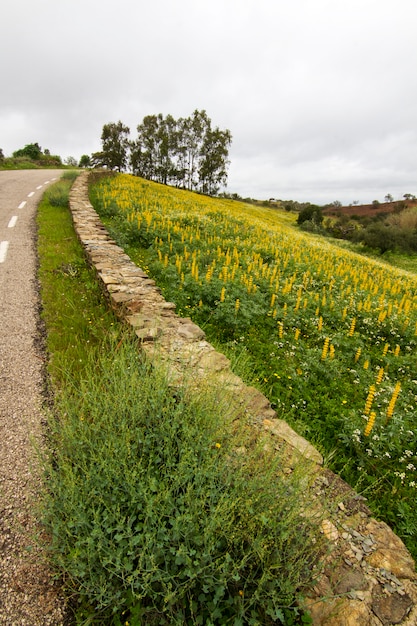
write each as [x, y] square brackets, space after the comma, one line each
[28, 594]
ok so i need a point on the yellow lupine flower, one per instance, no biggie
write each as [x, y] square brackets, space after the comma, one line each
[380, 376]
[396, 393]
[370, 399]
[325, 349]
[352, 327]
[370, 424]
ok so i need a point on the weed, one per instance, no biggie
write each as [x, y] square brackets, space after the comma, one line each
[155, 515]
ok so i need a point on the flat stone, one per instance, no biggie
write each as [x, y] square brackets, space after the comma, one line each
[329, 530]
[191, 331]
[391, 608]
[350, 579]
[340, 612]
[108, 279]
[149, 334]
[213, 361]
[120, 297]
[139, 321]
[282, 430]
[390, 553]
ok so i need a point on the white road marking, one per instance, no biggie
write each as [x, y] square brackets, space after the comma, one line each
[39, 187]
[3, 250]
[22, 204]
[32, 193]
[46, 182]
[12, 222]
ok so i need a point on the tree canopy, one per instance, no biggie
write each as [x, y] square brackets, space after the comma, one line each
[32, 151]
[187, 152]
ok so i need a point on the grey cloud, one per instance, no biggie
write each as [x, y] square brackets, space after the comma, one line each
[319, 95]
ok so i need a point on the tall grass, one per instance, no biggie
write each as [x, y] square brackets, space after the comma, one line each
[160, 515]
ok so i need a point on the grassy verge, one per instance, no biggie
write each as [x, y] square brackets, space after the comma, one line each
[157, 512]
[25, 163]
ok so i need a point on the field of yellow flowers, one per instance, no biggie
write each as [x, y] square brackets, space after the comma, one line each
[328, 335]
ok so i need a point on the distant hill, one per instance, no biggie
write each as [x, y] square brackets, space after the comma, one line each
[371, 210]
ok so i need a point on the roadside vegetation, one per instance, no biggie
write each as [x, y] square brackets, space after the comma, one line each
[328, 335]
[156, 510]
[33, 157]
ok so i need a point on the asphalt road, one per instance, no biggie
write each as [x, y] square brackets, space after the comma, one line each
[27, 595]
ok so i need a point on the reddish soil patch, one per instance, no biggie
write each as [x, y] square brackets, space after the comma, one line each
[370, 209]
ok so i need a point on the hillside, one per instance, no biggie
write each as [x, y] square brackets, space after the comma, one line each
[369, 210]
[328, 335]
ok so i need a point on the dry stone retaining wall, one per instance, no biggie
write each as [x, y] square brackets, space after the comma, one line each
[369, 578]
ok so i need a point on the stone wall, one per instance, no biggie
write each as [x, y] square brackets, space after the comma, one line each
[369, 577]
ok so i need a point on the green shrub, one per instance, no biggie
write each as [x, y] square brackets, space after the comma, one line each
[159, 515]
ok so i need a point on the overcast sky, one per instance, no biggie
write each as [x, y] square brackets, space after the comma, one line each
[320, 95]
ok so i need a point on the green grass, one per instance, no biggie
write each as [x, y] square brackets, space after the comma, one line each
[157, 512]
[75, 313]
[407, 262]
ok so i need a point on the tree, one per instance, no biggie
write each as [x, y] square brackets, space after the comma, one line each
[1, 155]
[154, 152]
[115, 145]
[85, 161]
[214, 160]
[389, 198]
[380, 237]
[98, 159]
[32, 151]
[71, 161]
[310, 213]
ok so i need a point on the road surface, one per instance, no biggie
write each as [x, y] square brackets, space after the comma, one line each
[27, 595]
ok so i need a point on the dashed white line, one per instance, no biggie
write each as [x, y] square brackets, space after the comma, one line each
[46, 182]
[3, 250]
[12, 222]
[39, 187]
[32, 193]
[22, 204]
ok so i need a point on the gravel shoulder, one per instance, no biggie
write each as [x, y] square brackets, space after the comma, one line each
[28, 594]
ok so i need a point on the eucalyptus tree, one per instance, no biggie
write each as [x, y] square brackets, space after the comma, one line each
[186, 152]
[143, 150]
[214, 160]
[191, 136]
[115, 146]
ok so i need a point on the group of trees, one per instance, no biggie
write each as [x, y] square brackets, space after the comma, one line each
[395, 231]
[187, 152]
